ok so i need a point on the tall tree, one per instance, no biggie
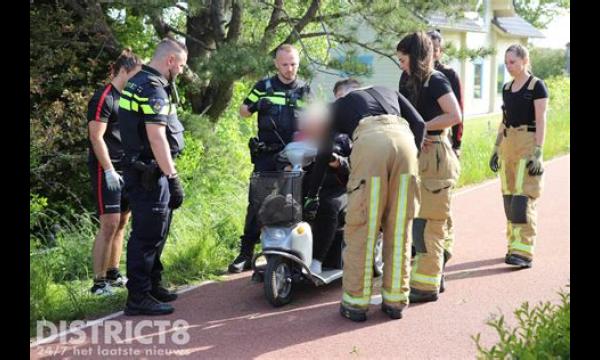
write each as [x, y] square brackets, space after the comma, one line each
[229, 40]
[540, 12]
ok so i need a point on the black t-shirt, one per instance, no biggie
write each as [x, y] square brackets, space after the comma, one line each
[519, 106]
[146, 100]
[347, 112]
[287, 100]
[427, 104]
[104, 107]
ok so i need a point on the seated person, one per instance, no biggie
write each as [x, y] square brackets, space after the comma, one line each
[333, 198]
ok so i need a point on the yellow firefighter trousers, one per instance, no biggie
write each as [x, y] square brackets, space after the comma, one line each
[383, 193]
[439, 169]
[519, 189]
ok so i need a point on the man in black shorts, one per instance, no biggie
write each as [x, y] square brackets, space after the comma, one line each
[104, 164]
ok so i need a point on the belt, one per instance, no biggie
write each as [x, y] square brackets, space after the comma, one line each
[529, 128]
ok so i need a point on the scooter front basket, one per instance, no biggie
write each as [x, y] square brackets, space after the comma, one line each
[277, 197]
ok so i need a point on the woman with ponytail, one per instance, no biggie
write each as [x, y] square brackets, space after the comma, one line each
[431, 94]
[104, 156]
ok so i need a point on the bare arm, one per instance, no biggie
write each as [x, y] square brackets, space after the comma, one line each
[540, 120]
[96, 132]
[451, 115]
[157, 136]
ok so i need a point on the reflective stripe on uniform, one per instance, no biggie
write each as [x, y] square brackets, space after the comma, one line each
[520, 177]
[425, 279]
[421, 278]
[399, 233]
[503, 177]
[517, 244]
[278, 98]
[359, 301]
[124, 104]
[394, 297]
[372, 230]
[131, 95]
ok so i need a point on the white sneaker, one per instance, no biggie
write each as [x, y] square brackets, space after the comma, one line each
[315, 267]
[102, 290]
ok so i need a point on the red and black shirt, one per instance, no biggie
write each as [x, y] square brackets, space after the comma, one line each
[104, 107]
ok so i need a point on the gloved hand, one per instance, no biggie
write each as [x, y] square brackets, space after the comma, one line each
[261, 105]
[494, 160]
[176, 191]
[114, 181]
[311, 205]
[535, 164]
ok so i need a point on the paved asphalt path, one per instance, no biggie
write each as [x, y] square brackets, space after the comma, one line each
[232, 319]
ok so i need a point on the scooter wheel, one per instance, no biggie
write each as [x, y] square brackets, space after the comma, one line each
[378, 257]
[278, 281]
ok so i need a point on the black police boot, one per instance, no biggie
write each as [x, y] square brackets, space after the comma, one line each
[420, 296]
[352, 313]
[163, 295]
[392, 312]
[520, 261]
[145, 304]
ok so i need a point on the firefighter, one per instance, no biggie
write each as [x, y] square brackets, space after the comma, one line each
[518, 155]
[278, 101]
[431, 94]
[456, 132]
[387, 133]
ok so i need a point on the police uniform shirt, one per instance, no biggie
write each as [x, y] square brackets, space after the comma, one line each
[519, 105]
[285, 108]
[146, 100]
[347, 112]
[427, 104]
[104, 107]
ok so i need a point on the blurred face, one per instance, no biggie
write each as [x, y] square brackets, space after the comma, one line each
[514, 64]
[287, 63]
[437, 50]
[404, 61]
[313, 121]
[176, 64]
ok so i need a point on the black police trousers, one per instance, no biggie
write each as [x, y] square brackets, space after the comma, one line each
[150, 222]
[262, 162]
[329, 217]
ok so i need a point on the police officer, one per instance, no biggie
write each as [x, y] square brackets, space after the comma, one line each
[152, 137]
[104, 164]
[456, 134]
[277, 100]
[431, 94]
[518, 154]
[382, 193]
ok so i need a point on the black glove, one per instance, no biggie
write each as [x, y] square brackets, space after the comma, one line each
[311, 205]
[263, 104]
[494, 166]
[176, 191]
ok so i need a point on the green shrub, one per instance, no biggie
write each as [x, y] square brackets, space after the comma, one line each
[543, 332]
[546, 63]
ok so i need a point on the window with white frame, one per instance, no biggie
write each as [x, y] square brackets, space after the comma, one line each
[477, 79]
[500, 82]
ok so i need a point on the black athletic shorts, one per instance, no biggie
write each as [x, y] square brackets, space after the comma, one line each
[107, 201]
